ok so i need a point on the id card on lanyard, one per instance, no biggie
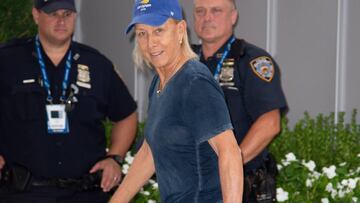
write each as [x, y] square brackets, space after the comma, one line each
[57, 120]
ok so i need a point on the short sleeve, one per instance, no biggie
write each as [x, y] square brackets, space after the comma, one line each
[263, 91]
[121, 104]
[205, 110]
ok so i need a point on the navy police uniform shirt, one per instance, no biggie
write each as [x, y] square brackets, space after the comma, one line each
[250, 79]
[99, 93]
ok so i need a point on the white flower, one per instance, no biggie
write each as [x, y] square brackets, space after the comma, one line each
[344, 182]
[129, 159]
[151, 201]
[155, 186]
[354, 199]
[309, 165]
[342, 164]
[125, 168]
[309, 182]
[352, 183]
[358, 155]
[330, 172]
[316, 175]
[146, 193]
[324, 200]
[334, 193]
[279, 166]
[290, 157]
[341, 193]
[151, 181]
[329, 187]
[281, 195]
[284, 162]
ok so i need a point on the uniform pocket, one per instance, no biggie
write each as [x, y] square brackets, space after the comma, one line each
[86, 109]
[25, 102]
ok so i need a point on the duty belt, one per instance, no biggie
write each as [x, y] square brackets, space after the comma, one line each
[20, 179]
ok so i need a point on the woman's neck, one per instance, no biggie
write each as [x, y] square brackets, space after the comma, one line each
[166, 73]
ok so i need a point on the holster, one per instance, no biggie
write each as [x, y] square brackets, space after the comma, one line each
[259, 185]
[16, 177]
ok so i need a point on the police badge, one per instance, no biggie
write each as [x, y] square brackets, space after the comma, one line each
[227, 73]
[263, 67]
[83, 77]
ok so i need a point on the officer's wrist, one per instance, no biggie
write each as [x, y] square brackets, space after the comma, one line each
[115, 157]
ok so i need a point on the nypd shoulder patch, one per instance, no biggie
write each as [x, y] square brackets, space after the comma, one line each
[263, 67]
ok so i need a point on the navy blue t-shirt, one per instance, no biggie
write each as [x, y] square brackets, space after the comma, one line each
[189, 111]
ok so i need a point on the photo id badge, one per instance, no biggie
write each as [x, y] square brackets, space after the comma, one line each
[57, 122]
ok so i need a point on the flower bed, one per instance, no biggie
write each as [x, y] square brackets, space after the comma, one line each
[318, 161]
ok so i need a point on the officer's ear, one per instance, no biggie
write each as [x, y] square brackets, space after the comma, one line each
[234, 16]
[35, 14]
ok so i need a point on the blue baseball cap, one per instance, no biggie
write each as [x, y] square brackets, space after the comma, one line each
[49, 6]
[154, 12]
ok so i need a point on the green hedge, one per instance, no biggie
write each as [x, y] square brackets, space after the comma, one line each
[320, 139]
[16, 19]
[319, 160]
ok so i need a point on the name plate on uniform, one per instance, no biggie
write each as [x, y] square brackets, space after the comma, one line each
[57, 122]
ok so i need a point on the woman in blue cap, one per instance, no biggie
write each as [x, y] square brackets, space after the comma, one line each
[189, 141]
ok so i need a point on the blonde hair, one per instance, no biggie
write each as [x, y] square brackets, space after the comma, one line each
[140, 61]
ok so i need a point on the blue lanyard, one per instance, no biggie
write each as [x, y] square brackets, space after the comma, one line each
[45, 77]
[226, 52]
[219, 65]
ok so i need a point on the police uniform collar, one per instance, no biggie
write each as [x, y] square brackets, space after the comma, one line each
[218, 54]
[72, 46]
[238, 48]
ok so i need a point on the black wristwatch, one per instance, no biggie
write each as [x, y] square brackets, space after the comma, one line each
[116, 158]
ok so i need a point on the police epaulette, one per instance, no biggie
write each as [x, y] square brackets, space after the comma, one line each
[87, 48]
[239, 47]
[17, 42]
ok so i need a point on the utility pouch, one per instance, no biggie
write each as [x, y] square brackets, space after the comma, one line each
[259, 185]
[17, 177]
[265, 189]
[91, 181]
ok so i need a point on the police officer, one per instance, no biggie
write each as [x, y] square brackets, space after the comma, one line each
[54, 95]
[250, 79]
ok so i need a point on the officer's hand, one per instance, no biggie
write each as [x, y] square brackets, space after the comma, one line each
[2, 162]
[111, 173]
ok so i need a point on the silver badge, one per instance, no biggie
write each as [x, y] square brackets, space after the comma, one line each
[227, 72]
[83, 77]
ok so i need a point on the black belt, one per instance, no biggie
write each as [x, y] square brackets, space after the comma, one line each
[87, 182]
[66, 183]
[20, 179]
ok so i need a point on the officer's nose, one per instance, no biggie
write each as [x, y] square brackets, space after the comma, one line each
[208, 16]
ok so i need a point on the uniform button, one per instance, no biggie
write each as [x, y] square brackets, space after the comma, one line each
[59, 163]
